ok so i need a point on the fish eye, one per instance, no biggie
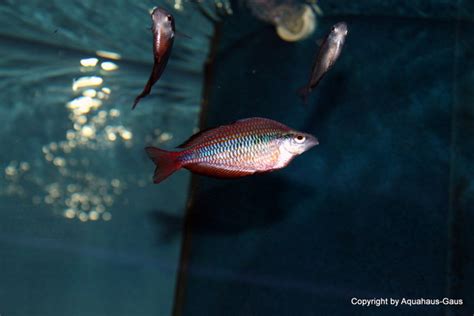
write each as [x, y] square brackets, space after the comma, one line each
[169, 18]
[299, 139]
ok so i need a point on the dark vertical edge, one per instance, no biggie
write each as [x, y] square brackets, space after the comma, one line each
[180, 292]
[454, 242]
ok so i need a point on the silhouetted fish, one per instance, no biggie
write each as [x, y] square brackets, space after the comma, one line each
[163, 38]
[328, 53]
[245, 147]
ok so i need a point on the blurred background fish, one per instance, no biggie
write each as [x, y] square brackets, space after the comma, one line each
[328, 54]
[163, 37]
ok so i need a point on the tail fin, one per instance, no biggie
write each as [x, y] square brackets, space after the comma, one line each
[304, 92]
[165, 162]
[135, 102]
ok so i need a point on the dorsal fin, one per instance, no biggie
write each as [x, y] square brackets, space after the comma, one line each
[192, 140]
[204, 134]
[262, 121]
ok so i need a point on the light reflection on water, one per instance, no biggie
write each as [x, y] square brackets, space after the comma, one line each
[66, 174]
[77, 192]
[73, 168]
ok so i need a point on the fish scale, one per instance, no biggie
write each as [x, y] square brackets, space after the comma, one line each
[242, 148]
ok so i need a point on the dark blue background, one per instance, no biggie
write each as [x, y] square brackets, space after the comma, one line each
[379, 209]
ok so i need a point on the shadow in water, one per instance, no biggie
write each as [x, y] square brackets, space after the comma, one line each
[223, 207]
[168, 225]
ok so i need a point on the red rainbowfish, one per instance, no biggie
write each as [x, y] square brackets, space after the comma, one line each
[245, 147]
[163, 38]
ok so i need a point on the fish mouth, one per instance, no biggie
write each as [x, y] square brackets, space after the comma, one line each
[341, 28]
[312, 141]
[158, 14]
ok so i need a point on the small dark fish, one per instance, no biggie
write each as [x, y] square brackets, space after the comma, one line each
[328, 53]
[243, 148]
[163, 37]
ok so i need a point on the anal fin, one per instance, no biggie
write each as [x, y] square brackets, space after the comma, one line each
[218, 171]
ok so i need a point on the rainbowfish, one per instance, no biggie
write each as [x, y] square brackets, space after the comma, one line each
[245, 147]
[328, 54]
[163, 37]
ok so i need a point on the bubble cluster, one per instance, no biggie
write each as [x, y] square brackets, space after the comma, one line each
[158, 138]
[89, 202]
[74, 190]
[14, 172]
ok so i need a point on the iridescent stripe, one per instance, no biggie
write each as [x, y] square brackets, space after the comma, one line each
[230, 149]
